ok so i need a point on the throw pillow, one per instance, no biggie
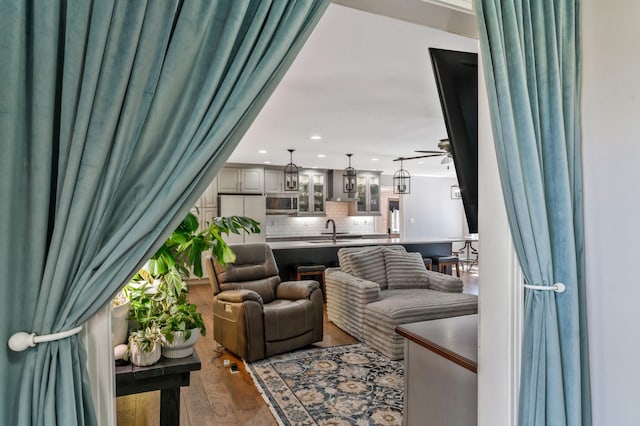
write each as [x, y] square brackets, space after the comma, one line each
[344, 257]
[405, 270]
[369, 265]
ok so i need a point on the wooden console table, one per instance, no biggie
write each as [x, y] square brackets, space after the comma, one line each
[441, 362]
[167, 376]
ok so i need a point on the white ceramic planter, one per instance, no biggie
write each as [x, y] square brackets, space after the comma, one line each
[180, 348]
[119, 324]
[143, 359]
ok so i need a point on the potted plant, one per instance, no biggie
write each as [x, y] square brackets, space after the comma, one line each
[144, 346]
[158, 292]
[182, 325]
[119, 319]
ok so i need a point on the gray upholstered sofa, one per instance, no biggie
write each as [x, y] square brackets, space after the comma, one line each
[380, 287]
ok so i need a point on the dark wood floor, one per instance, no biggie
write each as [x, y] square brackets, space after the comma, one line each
[215, 395]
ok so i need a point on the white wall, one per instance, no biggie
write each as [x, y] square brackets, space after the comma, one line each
[429, 210]
[610, 117]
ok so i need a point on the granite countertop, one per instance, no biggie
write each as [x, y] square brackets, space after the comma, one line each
[322, 236]
[344, 242]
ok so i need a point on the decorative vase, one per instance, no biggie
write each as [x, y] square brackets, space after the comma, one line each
[180, 348]
[119, 323]
[142, 358]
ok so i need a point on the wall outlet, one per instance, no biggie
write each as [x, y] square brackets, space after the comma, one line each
[412, 220]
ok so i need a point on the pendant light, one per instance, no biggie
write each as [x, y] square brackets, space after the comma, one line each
[401, 181]
[291, 174]
[349, 178]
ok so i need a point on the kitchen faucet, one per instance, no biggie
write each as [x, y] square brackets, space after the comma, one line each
[334, 228]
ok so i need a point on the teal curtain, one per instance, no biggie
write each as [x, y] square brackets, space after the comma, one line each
[114, 117]
[531, 57]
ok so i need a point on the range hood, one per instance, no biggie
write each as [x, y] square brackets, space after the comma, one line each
[334, 187]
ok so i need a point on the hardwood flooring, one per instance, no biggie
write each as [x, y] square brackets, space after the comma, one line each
[215, 395]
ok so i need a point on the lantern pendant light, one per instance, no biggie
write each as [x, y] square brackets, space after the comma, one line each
[349, 178]
[291, 174]
[401, 181]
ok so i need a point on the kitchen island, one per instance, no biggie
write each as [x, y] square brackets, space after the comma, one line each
[441, 365]
[324, 236]
[325, 252]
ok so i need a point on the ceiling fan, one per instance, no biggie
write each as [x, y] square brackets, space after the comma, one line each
[444, 149]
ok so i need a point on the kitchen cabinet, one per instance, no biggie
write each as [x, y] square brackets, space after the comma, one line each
[207, 209]
[207, 204]
[312, 192]
[367, 195]
[241, 180]
[253, 206]
[273, 180]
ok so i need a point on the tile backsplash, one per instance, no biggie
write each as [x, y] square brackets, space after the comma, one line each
[284, 226]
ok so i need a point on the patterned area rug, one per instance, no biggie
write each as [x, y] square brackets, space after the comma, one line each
[343, 385]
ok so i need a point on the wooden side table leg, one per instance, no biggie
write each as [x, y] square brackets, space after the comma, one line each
[170, 407]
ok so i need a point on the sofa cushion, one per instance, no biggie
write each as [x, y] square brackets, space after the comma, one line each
[284, 319]
[405, 306]
[405, 270]
[344, 257]
[344, 254]
[369, 265]
[264, 287]
[444, 282]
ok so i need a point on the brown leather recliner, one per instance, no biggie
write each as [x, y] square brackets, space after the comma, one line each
[255, 315]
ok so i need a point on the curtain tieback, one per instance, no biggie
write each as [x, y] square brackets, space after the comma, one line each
[557, 287]
[21, 340]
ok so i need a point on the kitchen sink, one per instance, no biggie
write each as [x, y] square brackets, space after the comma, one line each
[339, 240]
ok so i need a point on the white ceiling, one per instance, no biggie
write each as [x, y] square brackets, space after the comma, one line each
[364, 83]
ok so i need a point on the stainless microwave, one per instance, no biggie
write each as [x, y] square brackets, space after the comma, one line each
[282, 203]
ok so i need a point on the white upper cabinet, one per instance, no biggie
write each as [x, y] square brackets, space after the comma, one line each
[241, 180]
[273, 180]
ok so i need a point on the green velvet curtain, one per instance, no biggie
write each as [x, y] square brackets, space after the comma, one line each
[531, 56]
[114, 117]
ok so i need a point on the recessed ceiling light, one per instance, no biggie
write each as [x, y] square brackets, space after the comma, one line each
[420, 162]
[316, 137]
[374, 159]
[321, 155]
[262, 151]
[267, 162]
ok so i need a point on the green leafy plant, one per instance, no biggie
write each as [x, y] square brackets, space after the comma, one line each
[158, 292]
[146, 339]
[182, 251]
[145, 308]
[179, 315]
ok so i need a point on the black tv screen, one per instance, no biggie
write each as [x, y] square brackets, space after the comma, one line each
[457, 81]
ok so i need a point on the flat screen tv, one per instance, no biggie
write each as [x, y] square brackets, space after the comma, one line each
[457, 81]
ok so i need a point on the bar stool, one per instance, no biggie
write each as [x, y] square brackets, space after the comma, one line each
[298, 272]
[445, 264]
[428, 263]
